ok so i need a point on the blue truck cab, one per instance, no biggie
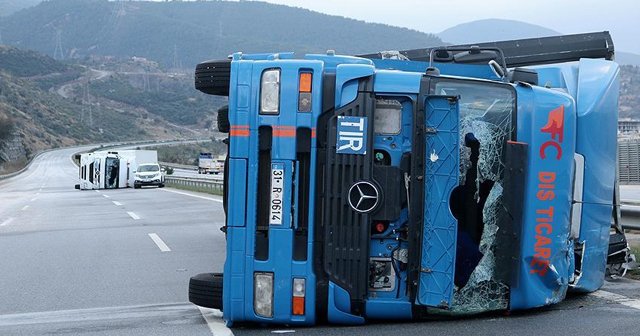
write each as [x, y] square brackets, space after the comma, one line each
[389, 188]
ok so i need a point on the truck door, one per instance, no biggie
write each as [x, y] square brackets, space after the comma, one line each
[437, 261]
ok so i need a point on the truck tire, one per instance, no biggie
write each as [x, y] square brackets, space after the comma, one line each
[213, 77]
[205, 290]
[223, 119]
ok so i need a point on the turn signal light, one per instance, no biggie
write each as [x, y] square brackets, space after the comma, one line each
[297, 300]
[305, 81]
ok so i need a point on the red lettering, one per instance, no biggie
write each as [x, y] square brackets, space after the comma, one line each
[548, 195]
[548, 144]
[543, 252]
[542, 240]
[547, 177]
[545, 226]
[539, 266]
[555, 124]
[548, 212]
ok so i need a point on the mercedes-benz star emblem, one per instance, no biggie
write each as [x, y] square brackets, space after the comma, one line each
[363, 196]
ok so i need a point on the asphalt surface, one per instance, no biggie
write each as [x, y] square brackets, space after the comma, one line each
[80, 263]
[66, 252]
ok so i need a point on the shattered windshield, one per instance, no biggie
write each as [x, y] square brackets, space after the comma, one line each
[487, 116]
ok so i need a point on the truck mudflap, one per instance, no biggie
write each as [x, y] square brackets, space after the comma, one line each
[442, 171]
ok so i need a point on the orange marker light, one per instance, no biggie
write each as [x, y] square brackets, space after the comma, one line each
[298, 305]
[305, 82]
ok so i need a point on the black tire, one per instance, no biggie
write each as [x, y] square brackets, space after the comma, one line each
[136, 186]
[205, 290]
[223, 119]
[161, 185]
[213, 77]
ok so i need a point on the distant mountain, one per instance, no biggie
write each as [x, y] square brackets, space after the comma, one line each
[493, 30]
[498, 30]
[8, 7]
[187, 32]
[625, 58]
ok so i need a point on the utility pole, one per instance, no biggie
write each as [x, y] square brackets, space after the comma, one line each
[176, 60]
[58, 53]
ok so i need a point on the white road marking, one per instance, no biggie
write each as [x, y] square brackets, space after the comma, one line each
[101, 316]
[33, 199]
[282, 331]
[617, 298]
[97, 191]
[25, 207]
[192, 195]
[161, 245]
[213, 317]
[7, 221]
[117, 203]
[133, 215]
[107, 196]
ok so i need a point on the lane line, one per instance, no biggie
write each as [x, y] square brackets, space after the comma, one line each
[617, 298]
[116, 203]
[213, 317]
[97, 190]
[101, 316]
[25, 207]
[33, 199]
[161, 245]
[7, 221]
[107, 196]
[133, 215]
[196, 196]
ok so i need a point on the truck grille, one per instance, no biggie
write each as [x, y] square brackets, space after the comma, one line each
[346, 232]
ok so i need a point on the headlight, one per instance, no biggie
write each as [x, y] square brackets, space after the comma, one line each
[263, 294]
[270, 92]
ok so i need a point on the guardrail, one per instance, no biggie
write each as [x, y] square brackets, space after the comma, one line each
[206, 185]
[630, 213]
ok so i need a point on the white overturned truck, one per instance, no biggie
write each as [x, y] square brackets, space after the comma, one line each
[118, 169]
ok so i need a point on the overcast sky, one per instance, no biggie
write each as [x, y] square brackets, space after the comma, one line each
[621, 18]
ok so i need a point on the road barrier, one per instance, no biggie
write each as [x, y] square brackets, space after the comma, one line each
[206, 185]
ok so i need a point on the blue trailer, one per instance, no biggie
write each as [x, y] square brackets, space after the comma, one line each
[400, 185]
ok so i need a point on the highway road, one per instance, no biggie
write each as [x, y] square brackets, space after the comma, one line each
[117, 262]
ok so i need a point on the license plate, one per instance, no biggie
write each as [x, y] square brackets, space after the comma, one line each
[277, 190]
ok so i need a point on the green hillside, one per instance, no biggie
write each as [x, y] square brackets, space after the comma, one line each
[8, 7]
[45, 104]
[185, 33]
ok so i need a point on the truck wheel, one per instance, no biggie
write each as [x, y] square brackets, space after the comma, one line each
[205, 290]
[223, 119]
[213, 77]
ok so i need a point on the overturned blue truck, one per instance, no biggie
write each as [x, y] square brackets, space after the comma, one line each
[401, 185]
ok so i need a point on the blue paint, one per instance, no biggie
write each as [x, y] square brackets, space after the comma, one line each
[440, 227]
[339, 307]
